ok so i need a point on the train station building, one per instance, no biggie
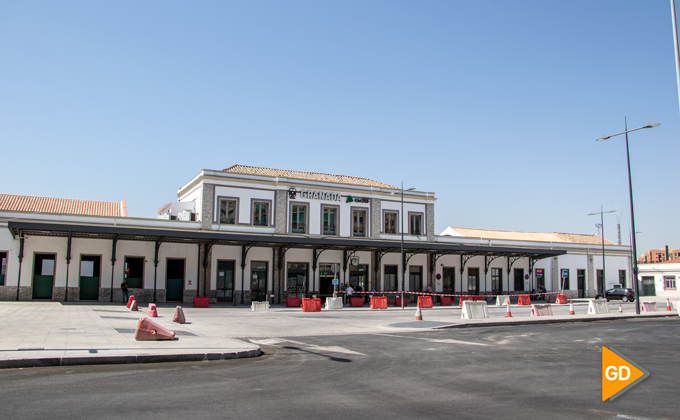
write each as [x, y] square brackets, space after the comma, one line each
[247, 234]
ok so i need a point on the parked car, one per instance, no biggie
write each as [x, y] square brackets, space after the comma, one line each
[626, 295]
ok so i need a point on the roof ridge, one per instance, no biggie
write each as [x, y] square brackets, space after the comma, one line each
[252, 170]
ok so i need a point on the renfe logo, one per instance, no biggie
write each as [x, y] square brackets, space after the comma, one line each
[619, 374]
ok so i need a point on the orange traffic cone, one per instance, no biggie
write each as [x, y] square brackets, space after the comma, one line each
[668, 305]
[571, 308]
[508, 314]
[419, 313]
[620, 309]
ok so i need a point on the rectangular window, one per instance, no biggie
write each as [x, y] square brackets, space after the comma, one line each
[134, 271]
[416, 224]
[3, 267]
[496, 277]
[390, 222]
[260, 213]
[298, 219]
[670, 282]
[228, 212]
[622, 278]
[600, 281]
[359, 223]
[390, 278]
[330, 217]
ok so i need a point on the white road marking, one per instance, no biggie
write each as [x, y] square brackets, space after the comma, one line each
[443, 341]
[330, 349]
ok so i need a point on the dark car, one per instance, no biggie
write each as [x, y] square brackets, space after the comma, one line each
[626, 295]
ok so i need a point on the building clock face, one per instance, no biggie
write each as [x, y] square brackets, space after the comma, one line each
[355, 261]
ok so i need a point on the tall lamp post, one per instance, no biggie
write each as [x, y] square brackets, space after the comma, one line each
[632, 214]
[403, 262]
[601, 284]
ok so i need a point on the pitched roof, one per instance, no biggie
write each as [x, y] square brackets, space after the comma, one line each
[574, 238]
[309, 176]
[25, 203]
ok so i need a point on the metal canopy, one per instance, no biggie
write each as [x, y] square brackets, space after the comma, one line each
[127, 233]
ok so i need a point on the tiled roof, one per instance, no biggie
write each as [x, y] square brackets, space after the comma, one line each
[573, 238]
[24, 203]
[309, 176]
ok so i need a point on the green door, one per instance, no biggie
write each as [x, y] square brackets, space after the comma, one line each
[89, 288]
[173, 289]
[43, 276]
[174, 280]
[89, 277]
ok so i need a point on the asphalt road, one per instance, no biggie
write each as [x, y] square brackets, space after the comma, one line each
[514, 372]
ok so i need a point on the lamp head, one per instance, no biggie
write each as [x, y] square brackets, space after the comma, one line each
[651, 125]
[603, 138]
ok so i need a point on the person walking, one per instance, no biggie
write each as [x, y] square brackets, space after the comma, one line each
[349, 292]
[124, 289]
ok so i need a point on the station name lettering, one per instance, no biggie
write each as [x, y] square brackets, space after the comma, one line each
[319, 195]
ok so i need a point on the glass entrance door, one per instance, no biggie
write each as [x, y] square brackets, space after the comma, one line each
[473, 281]
[415, 281]
[258, 281]
[225, 281]
[449, 276]
[519, 279]
[297, 279]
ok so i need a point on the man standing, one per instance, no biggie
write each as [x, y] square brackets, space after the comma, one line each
[349, 292]
[124, 289]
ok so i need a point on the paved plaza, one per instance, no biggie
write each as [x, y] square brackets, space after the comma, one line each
[54, 333]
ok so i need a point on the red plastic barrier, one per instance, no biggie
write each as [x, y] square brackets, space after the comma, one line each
[356, 302]
[445, 301]
[179, 316]
[201, 302]
[425, 301]
[149, 330]
[397, 302]
[311, 305]
[152, 312]
[293, 302]
[378, 302]
[561, 300]
[463, 298]
[129, 302]
[524, 300]
[477, 298]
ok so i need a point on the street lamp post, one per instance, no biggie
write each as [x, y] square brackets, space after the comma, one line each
[403, 259]
[601, 284]
[632, 214]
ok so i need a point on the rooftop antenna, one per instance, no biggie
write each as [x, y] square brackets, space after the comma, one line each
[618, 223]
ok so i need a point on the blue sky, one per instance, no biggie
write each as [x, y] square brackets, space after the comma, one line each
[493, 105]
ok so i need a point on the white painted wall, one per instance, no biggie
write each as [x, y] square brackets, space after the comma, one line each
[245, 195]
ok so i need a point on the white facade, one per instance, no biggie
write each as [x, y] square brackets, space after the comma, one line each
[356, 224]
[659, 279]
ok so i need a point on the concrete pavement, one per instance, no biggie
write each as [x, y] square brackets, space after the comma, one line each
[53, 334]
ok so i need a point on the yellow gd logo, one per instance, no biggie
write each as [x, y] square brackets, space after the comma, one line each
[619, 374]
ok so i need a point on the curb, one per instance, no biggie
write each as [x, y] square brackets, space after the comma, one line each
[552, 321]
[120, 360]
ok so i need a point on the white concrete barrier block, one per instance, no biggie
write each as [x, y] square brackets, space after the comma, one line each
[541, 310]
[474, 310]
[502, 300]
[597, 307]
[259, 306]
[333, 303]
[648, 307]
[676, 305]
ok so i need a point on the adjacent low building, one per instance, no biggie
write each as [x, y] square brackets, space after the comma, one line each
[659, 278]
[247, 233]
